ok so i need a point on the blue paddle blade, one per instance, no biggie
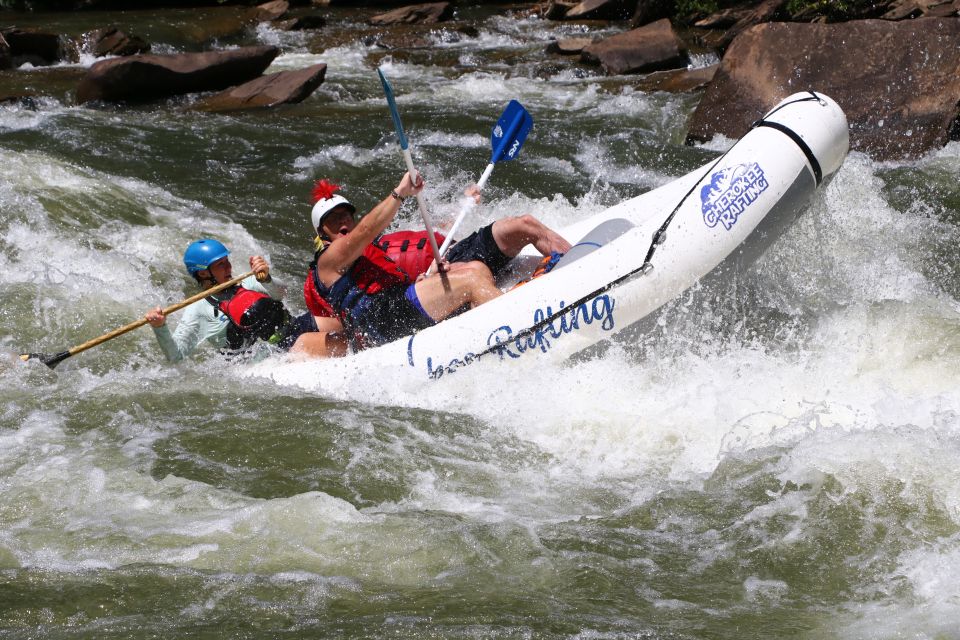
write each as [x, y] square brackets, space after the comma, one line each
[388, 91]
[510, 132]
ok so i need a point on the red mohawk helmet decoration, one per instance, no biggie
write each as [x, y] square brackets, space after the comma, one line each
[324, 190]
[325, 200]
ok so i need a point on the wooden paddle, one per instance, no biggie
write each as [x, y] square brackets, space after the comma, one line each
[55, 359]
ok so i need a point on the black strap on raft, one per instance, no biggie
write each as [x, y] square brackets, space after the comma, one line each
[790, 133]
[659, 236]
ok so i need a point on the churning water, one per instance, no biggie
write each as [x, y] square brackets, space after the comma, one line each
[775, 458]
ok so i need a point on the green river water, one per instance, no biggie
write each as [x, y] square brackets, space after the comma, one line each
[776, 458]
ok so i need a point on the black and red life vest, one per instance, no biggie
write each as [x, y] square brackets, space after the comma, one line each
[252, 315]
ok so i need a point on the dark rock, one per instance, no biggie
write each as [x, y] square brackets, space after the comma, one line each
[905, 9]
[285, 87]
[651, 48]
[113, 42]
[269, 11]
[551, 10]
[900, 91]
[36, 47]
[652, 10]
[414, 14]
[678, 80]
[6, 59]
[602, 9]
[722, 19]
[764, 12]
[143, 78]
[302, 23]
[569, 46]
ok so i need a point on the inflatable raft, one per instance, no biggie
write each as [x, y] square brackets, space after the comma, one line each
[638, 255]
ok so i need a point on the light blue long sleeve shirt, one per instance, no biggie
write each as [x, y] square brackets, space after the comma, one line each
[199, 324]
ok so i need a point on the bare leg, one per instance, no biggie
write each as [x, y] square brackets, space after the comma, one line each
[514, 233]
[470, 283]
[320, 344]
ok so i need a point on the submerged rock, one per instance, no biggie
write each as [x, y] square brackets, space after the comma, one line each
[900, 91]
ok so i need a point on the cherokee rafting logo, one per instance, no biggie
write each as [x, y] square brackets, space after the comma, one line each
[730, 192]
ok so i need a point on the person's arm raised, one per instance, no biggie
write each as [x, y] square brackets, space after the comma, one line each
[344, 251]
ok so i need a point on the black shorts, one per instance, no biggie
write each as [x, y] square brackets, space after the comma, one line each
[481, 246]
[303, 323]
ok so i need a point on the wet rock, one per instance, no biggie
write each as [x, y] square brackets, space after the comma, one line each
[142, 78]
[764, 12]
[569, 46]
[6, 59]
[904, 9]
[602, 9]
[34, 47]
[900, 91]
[679, 80]
[114, 42]
[301, 23]
[285, 87]
[651, 48]
[551, 10]
[430, 13]
[648, 11]
[269, 11]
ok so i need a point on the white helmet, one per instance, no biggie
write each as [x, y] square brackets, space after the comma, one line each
[326, 201]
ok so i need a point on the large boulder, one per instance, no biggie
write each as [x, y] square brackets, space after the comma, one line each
[143, 78]
[414, 14]
[285, 87]
[897, 82]
[654, 47]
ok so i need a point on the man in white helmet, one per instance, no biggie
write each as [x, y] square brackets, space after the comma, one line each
[354, 281]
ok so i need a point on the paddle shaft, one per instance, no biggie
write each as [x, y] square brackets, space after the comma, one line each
[467, 206]
[63, 355]
[422, 206]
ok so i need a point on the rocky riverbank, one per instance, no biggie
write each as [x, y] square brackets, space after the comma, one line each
[893, 66]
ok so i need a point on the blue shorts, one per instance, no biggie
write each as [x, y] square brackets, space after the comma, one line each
[387, 316]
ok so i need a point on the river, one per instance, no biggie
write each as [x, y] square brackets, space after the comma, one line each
[775, 459]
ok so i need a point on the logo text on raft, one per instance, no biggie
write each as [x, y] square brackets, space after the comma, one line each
[730, 192]
[505, 344]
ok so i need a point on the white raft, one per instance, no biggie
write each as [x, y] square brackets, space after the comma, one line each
[644, 252]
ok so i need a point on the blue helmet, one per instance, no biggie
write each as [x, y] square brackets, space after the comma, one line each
[202, 253]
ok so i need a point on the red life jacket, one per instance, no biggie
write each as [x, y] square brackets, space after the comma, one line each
[410, 250]
[252, 315]
[236, 306]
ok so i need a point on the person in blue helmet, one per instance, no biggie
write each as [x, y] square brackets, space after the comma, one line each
[233, 319]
